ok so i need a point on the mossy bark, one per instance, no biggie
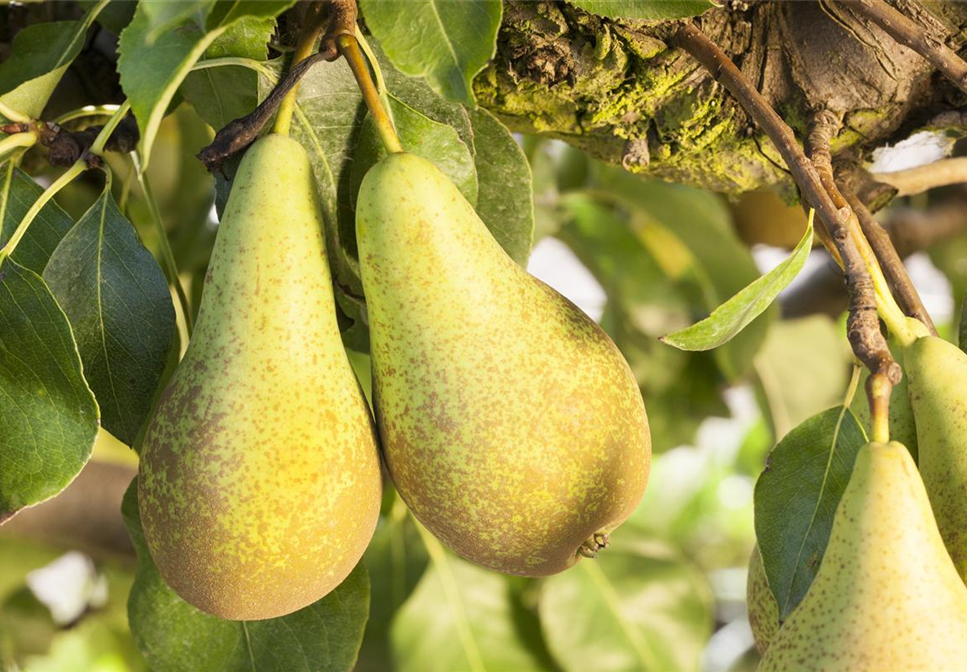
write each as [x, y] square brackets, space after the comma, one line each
[617, 90]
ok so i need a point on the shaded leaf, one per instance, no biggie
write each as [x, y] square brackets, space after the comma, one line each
[638, 606]
[225, 93]
[117, 300]
[654, 10]
[38, 58]
[739, 311]
[424, 137]
[174, 636]
[505, 199]
[461, 617]
[722, 264]
[48, 414]
[162, 16]
[17, 193]
[814, 344]
[152, 69]
[796, 498]
[395, 559]
[446, 42]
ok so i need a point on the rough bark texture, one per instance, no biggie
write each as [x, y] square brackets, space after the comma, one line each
[616, 90]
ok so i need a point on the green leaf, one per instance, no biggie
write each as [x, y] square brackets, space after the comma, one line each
[115, 16]
[117, 300]
[174, 636]
[654, 10]
[39, 56]
[638, 606]
[152, 70]
[738, 312]
[50, 417]
[424, 137]
[462, 617]
[796, 498]
[395, 559]
[505, 198]
[446, 42]
[814, 344]
[723, 264]
[162, 16]
[17, 193]
[225, 93]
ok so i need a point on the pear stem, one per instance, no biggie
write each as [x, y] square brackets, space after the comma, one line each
[349, 48]
[307, 41]
[167, 256]
[878, 390]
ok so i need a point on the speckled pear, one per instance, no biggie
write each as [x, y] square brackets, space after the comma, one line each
[762, 605]
[937, 371]
[510, 423]
[259, 483]
[887, 596]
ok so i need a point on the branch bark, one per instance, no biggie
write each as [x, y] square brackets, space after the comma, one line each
[914, 36]
[923, 178]
[863, 327]
[891, 263]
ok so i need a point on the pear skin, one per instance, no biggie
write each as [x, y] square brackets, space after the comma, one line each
[259, 483]
[510, 423]
[937, 371]
[887, 596]
[763, 608]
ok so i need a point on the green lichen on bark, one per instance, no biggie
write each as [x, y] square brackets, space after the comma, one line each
[617, 91]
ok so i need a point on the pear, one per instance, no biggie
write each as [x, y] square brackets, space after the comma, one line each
[887, 596]
[937, 371]
[259, 483]
[763, 608]
[510, 423]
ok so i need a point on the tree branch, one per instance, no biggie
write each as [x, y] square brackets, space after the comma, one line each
[891, 263]
[863, 328]
[914, 36]
[923, 178]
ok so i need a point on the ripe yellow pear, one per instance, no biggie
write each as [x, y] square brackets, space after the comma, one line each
[886, 597]
[937, 372]
[510, 423]
[259, 483]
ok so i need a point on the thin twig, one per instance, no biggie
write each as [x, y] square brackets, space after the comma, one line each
[238, 134]
[912, 35]
[923, 178]
[863, 328]
[891, 263]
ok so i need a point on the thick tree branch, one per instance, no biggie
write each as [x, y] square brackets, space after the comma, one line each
[914, 36]
[863, 329]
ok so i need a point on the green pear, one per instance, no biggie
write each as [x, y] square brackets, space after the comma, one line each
[510, 423]
[763, 608]
[886, 597]
[259, 484]
[937, 371]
